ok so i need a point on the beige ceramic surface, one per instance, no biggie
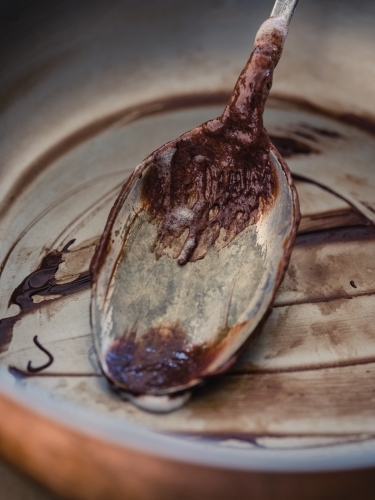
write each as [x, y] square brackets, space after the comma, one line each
[83, 89]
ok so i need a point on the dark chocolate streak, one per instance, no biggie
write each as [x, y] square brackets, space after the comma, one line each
[22, 374]
[33, 369]
[321, 131]
[160, 359]
[289, 147]
[41, 282]
[214, 181]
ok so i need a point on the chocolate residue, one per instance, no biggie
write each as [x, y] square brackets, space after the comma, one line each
[362, 122]
[288, 147]
[32, 369]
[18, 373]
[211, 183]
[160, 359]
[332, 134]
[306, 135]
[41, 282]
[337, 235]
[94, 128]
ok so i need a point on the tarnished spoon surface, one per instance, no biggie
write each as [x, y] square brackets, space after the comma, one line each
[196, 245]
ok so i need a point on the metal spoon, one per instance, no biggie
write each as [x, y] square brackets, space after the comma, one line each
[196, 245]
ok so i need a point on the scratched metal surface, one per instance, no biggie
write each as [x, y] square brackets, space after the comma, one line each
[76, 118]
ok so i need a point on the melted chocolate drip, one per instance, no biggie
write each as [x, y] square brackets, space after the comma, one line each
[33, 369]
[41, 282]
[162, 358]
[214, 181]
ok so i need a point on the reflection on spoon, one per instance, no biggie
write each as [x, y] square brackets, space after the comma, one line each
[196, 245]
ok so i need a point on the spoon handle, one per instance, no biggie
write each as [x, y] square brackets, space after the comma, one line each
[284, 8]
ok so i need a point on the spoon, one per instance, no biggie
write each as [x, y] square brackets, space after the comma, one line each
[196, 245]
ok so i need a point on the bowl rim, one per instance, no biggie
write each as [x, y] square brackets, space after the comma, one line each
[134, 437]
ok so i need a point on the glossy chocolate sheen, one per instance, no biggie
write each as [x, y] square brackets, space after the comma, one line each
[162, 358]
[220, 178]
[41, 282]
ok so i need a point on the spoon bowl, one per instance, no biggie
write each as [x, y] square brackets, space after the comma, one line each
[195, 247]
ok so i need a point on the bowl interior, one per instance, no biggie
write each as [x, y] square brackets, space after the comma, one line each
[86, 98]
